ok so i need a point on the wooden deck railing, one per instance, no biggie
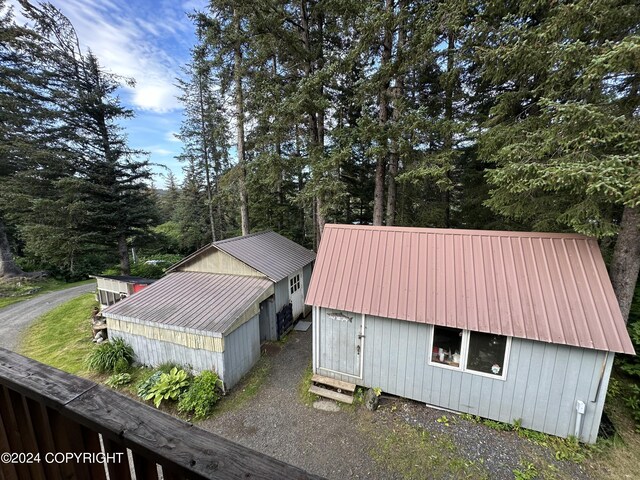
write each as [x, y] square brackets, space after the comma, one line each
[72, 423]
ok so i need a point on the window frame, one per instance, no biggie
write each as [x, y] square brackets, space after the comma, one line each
[464, 353]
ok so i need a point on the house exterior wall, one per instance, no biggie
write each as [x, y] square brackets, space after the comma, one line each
[281, 294]
[306, 280]
[241, 352]
[153, 352]
[116, 286]
[200, 340]
[542, 384]
[267, 316]
[217, 261]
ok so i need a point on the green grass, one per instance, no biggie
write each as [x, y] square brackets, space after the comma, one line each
[62, 337]
[410, 452]
[14, 292]
[247, 388]
[306, 397]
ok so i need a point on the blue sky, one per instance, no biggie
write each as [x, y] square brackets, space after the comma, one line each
[148, 40]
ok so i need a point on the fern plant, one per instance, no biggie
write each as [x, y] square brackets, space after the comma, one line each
[169, 386]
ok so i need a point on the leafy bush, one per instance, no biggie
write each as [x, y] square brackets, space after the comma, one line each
[202, 395]
[169, 386]
[106, 356]
[118, 380]
[144, 387]
[168, 366]
[122, 366]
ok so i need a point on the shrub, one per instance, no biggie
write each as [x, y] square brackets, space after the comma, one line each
[122, 366]
[168, 366]
[202, 395]
[168, 387]
[118, 380]
[106, 356]
[144, 387]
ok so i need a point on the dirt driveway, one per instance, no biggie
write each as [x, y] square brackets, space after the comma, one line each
[403, 439]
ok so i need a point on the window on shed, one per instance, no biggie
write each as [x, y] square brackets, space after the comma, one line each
[486, 353]
[446, 346]
[294, 283]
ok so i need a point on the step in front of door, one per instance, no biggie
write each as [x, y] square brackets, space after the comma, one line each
[338, 385]
[332, 394]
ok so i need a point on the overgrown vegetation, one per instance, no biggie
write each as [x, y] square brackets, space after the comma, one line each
[202, 395]
[114, 356]
[627, 384]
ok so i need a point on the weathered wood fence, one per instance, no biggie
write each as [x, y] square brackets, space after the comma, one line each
[51, 413]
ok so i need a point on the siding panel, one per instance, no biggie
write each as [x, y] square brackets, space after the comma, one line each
[535, 390]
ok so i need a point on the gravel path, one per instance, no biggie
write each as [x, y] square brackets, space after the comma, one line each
[15, 318]
[342, 444]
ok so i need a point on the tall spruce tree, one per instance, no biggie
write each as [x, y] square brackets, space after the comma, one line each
[102, 199]
[564, 134]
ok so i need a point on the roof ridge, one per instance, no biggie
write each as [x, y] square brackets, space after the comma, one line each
[240, 237]
[460, 231]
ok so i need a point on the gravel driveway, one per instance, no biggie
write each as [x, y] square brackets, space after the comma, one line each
[355, 443]
[15, 318]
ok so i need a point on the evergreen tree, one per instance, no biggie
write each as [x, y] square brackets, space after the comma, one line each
[564, 133]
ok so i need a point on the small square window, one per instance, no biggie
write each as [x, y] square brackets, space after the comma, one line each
[486, 353]
[446, 346]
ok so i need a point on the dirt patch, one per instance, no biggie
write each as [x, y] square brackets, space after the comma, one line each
[403, 439]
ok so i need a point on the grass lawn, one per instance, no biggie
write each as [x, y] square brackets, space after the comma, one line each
[12, 292]
[62, 337]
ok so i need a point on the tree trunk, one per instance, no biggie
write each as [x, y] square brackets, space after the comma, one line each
[625, 263]
[8, 267]
[448, 114]
[237, 76]
[383, 118]
[398, 92]
[205, 156]
[123, 253]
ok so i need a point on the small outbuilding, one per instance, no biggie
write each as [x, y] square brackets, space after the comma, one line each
[113, 288]
[504, 325]
[214, 308]
[268, 255]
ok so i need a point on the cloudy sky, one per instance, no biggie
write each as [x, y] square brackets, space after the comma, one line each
[148, 40]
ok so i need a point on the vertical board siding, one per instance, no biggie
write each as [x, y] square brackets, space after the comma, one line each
[281, 294]
[242, 351]
[154, 352]
[543, 381]
[306, 280]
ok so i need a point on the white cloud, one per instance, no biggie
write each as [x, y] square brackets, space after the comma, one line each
[171, 137]
[135, 40]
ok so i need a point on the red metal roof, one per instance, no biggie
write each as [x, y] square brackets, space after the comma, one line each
[540, 286]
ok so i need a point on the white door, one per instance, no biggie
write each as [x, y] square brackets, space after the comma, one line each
[296, 294]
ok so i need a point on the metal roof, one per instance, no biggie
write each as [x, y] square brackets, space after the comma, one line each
[126, 279]
[269, 253]
[193, 301]
[540, 286]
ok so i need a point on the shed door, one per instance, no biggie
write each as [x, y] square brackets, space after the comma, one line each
[341, 337]
[296, 295]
